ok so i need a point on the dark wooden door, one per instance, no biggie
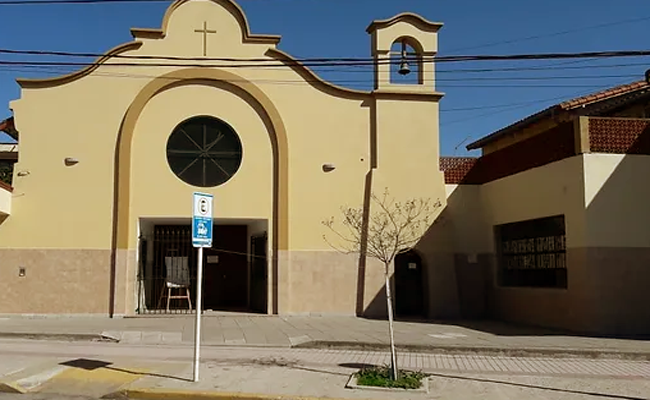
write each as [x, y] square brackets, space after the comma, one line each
[259, 274]
[409, 285]
[226, 269]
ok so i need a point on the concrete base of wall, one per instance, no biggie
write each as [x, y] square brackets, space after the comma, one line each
[54, 281]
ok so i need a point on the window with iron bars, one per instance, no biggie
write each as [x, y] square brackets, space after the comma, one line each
[532, 253]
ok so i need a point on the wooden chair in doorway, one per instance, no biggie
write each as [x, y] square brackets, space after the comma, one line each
[177, 277]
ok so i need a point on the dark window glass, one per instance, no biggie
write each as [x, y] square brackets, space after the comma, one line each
[204, 151]
[532, 253]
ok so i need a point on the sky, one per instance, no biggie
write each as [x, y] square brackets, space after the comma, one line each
[475, 103]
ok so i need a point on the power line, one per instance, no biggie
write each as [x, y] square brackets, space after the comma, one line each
[540, 68]
[516, 107]
[334, 61]
[553, 67]
[102, 74]
[464, 79]
[560, 33]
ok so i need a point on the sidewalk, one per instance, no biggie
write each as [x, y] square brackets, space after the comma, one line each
[324, 332]
[135, 371]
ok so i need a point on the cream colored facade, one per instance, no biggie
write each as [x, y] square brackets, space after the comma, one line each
[75, 228]
[603, 199]
[5, 202]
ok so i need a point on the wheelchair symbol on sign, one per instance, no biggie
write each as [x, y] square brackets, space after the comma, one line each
[201, 229]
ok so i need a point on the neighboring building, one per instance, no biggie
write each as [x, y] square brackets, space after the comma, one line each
[8, 157]
[111, 155]
[8, 151]
[7, 126]
[556, 213]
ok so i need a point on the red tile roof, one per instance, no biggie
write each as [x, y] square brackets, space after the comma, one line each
[604, 94]
[6, 186]
[560, 107]
[456, 168]
[9, 127]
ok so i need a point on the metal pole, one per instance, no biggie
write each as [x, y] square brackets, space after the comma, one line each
[197, 326]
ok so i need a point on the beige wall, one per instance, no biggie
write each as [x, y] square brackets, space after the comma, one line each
[616, 199]
[157, 192]
[556, 188]
[607, 241]
[473, 211]
[618, 243]
[5, 202]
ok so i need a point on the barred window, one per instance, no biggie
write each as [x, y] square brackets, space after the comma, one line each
[532, 253]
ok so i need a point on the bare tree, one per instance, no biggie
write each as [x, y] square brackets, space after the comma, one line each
[389, 227]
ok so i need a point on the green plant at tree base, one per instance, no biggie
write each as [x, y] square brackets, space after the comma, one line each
[381, 376]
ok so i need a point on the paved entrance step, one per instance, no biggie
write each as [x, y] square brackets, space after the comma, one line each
[84, 376]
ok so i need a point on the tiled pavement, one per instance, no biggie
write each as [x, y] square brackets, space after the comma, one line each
[292, 331]
[21, 352]
[46, 368]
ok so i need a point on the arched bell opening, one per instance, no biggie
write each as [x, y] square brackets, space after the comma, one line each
[406, 62]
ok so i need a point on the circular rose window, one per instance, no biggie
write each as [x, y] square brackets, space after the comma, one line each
[204, 151]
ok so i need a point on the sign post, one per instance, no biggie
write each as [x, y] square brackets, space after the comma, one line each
[201, 237]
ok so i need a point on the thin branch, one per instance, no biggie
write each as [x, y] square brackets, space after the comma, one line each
[384, 232]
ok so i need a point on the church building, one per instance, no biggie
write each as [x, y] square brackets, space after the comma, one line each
[549, 226]
[98, 217]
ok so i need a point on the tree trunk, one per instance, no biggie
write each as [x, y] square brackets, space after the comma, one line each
[389, 303]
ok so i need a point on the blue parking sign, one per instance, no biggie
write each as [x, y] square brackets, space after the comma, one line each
[202, 220]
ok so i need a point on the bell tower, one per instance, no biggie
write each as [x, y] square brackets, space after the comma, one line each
[403, 48]
[405, 134]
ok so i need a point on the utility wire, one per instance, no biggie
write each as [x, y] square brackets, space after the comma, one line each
[101, 74]
[462, 79]
[337, 61]
[515, 107]
[553, 34]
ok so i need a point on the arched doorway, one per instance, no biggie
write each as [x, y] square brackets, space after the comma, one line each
[124, 221]
[409, 285]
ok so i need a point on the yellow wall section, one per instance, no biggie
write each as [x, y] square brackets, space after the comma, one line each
[554, 189]
[155, 189]
[5, 202]
[464, 214]
[617, 198]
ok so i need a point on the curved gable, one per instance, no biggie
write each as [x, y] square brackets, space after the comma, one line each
[232, 7]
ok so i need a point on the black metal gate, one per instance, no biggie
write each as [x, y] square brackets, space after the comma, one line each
[259, 273]
[167, 271]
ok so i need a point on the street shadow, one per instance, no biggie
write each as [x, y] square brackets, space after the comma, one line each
[91, 365]
[273, 362]
[357, 365]
[318, 371]
[502, 328]
[529, 386]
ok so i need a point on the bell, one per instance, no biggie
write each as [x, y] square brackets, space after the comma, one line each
[404, 68]
[404, 65]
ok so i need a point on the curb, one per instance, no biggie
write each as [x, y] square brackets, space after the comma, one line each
[159, 394]
[555, 352]
[7, 387]
[67, 337]
[483, 350]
